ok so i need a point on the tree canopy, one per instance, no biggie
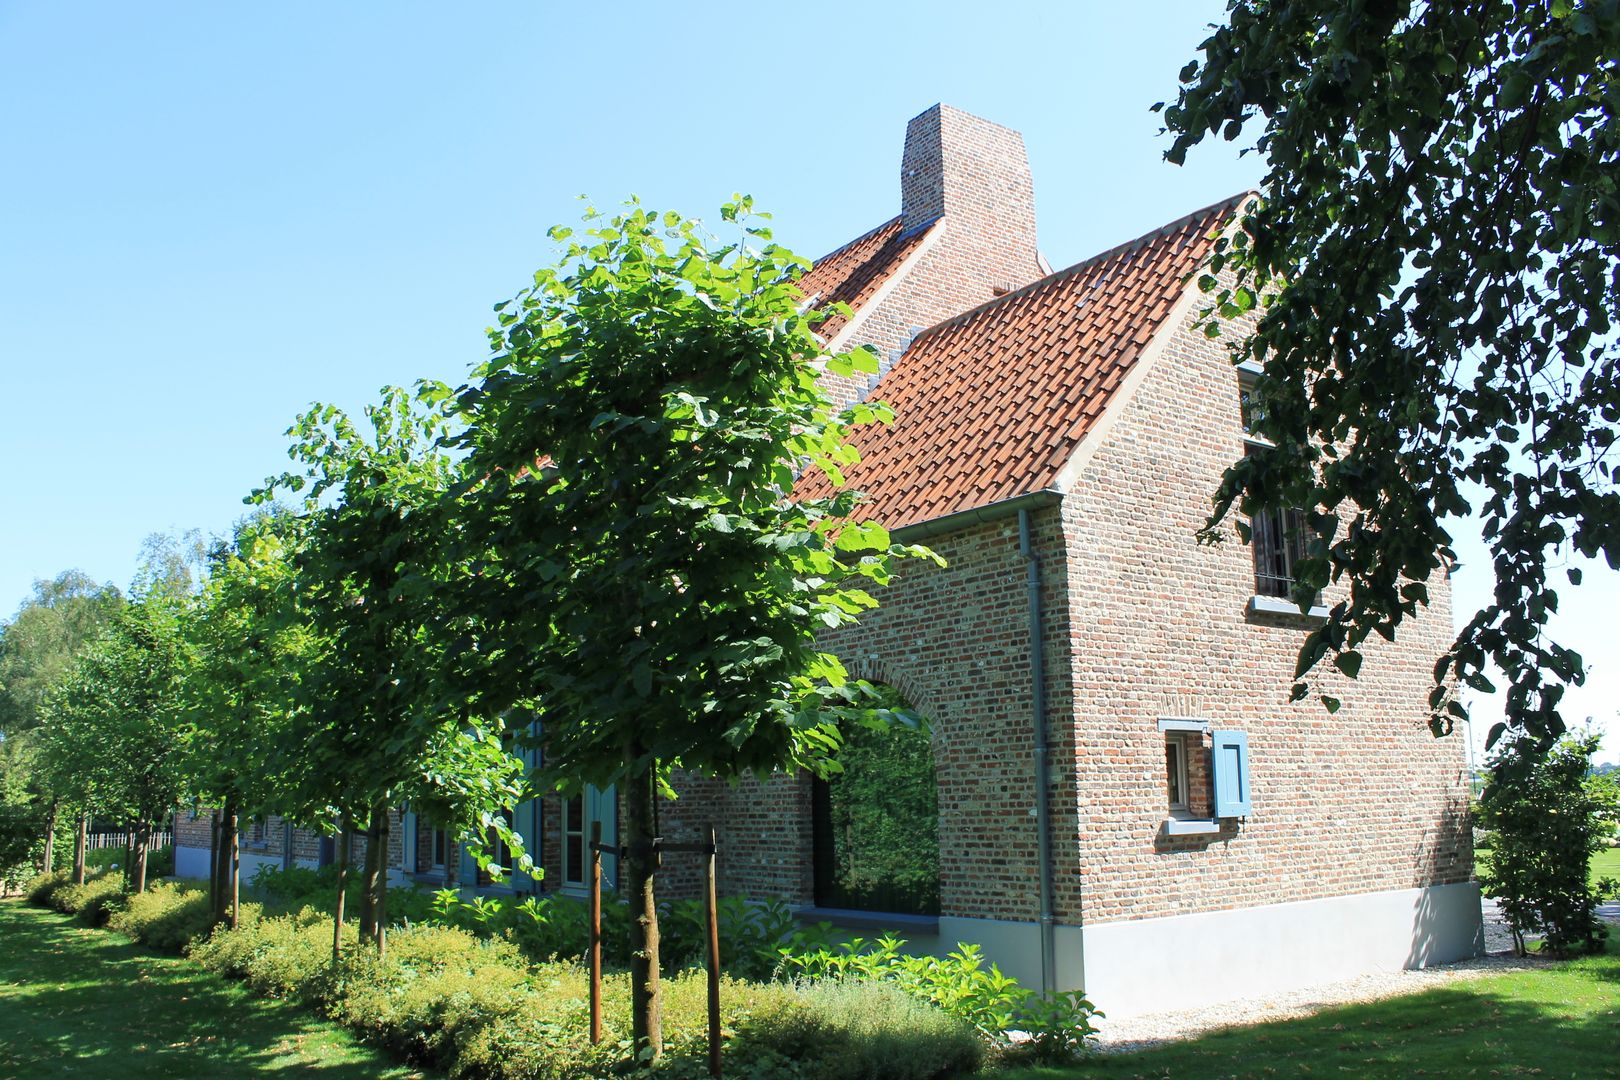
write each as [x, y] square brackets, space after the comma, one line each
[1435, 264]
[39, 642]
[645, 580]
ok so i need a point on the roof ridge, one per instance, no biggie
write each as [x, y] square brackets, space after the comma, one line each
[867, 235]
[1085, 264]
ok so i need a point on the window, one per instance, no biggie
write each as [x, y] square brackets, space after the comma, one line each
[259, 833]
[580, 814]
[1278, 538]
[1175, 767]
[875, 826]
[438, 849]
[574, 840]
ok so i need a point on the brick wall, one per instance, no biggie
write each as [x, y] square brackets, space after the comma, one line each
[955, 643]
[1360, 801]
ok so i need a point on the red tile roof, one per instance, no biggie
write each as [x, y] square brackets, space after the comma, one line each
[990, 404]
[854, 273]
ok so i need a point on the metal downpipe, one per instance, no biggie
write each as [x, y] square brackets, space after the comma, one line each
[1043, 768]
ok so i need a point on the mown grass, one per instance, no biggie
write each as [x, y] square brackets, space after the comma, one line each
[1606, 864]
[1562, 1020]
[87, 1003]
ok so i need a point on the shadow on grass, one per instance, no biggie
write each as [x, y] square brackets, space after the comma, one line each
[80, 1002]
[1562, 1021]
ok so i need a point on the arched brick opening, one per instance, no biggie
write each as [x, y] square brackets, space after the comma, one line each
[875, 825]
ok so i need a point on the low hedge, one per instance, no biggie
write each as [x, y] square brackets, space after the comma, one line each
[93, 902]
[474, 1006]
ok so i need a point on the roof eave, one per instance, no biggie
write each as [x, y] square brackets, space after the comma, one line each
[961, 519]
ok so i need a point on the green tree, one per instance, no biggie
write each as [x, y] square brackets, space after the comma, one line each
[371, 729]
[1546, 821]
[37, 647]
[244, 652]
[1434, 269]
[644, 580]
[38, 644]
[114, 745]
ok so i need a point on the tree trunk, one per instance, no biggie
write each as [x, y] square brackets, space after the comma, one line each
[50, 840]
[227, 855]
[81, 838]
[216, 879]
[640, 873]
[129, 856]
[342, 888]
[233, 866]
[368, 911]
[143, 838]
[377, 878]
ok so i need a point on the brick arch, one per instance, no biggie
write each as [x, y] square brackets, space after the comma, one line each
[875, 670]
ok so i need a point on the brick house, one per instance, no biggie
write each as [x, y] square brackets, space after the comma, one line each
[1126, 801]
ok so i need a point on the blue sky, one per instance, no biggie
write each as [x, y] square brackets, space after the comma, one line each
[215, 214]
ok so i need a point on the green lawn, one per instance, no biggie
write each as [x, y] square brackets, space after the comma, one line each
[1562, 1021]
[1606, 863]
[79, 1002]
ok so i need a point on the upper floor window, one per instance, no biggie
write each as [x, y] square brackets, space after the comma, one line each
[1279, 545]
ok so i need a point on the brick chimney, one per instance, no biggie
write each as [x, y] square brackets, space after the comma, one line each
[967, 182]
[975, 175]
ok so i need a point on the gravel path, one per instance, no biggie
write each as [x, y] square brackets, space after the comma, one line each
[1142, 1032]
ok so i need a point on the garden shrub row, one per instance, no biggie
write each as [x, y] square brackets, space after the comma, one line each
[448, 998]
[554, 927]
[94, 902]
[472, 999]
[475, 1006]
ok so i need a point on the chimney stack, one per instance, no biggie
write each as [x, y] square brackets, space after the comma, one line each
[974, 174]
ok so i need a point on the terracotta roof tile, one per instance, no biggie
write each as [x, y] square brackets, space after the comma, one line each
[991, 404]
[855, 272]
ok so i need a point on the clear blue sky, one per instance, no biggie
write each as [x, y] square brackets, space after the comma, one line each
[214, 214]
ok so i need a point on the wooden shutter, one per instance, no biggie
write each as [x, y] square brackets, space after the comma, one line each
[1229, 754]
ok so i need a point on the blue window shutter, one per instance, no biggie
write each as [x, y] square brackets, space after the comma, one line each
[1229, 753]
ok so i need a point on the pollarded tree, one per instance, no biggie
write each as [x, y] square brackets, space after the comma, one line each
[114, 744]
[1437, 258]
[372, 728]
[37, 647]
[244, 651]
[644, 578]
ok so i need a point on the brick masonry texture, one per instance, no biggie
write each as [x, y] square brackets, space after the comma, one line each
[1359, 801]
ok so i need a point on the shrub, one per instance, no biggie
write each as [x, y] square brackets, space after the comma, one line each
[854, 1029]
[95, 900]
[1546, 823]
[994, 1003]
[283, 956]
[42, 889]
[170, 916]
[437, 986]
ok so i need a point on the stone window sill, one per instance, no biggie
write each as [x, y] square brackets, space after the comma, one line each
[1177, 826]
[1282, 605]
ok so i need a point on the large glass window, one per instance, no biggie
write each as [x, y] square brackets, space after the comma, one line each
[876, 824]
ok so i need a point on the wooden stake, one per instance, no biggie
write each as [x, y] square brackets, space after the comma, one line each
[596, 932]
[711, 911]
